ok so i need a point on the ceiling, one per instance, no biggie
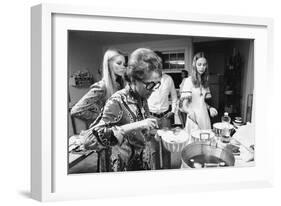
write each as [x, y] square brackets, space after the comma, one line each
[120, 38]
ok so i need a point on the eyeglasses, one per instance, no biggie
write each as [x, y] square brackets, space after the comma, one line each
[151, 85]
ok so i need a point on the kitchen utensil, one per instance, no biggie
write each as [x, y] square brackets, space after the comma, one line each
[219, 126]
[205, 154]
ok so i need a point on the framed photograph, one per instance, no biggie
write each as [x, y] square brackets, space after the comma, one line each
[225, 144]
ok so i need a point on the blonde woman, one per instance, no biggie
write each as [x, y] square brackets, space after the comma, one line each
[89, 106]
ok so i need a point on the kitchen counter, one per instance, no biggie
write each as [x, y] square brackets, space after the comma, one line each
[78, 161]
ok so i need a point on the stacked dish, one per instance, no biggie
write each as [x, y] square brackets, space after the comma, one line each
[174, 140]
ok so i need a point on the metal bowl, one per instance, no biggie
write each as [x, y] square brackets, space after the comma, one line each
[203, 154]
[219, 126]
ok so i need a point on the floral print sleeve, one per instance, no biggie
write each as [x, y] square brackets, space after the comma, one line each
[130, 150]
[90, 105]
[106, 129]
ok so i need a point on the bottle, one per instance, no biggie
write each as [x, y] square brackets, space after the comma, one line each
[226, 128]
[225, 118]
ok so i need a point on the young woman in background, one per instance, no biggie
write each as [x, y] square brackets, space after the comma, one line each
[195, 94]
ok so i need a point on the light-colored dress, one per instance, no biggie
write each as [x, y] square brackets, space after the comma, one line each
[199, 116]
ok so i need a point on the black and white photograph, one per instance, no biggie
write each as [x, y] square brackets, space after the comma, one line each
[141, 101]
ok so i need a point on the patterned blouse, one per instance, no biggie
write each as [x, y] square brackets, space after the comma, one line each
[120, 109]
[90, 105]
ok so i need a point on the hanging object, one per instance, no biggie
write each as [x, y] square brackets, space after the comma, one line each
[81, 79]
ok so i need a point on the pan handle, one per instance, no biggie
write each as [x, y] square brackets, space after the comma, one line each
[220, 164]
[203, 134]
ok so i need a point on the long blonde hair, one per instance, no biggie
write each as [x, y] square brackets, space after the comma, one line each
[109, 77]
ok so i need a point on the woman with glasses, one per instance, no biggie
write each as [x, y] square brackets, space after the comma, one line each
[124, 125]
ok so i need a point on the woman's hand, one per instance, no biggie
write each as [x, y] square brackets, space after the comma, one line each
[169, 115]
[148, 123]
[213, 111]
[191, 115]
[185, 104]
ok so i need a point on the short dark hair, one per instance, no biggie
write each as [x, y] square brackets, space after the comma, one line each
[141, 62]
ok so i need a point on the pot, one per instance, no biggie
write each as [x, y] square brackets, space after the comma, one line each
[203, 154]
[219, 127]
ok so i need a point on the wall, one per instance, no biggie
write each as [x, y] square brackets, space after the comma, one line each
[83, 55]
[247, 86]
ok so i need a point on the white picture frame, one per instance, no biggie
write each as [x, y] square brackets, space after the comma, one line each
[49, 178]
